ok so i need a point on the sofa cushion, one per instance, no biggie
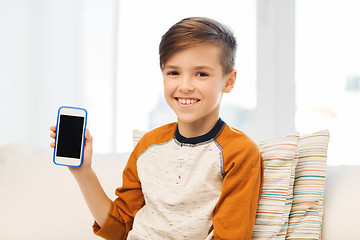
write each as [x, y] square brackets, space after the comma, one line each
[40, 200]
[341, 203]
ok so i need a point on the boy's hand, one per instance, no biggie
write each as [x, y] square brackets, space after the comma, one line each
[88, 149]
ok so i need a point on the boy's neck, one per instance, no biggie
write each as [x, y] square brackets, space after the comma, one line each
[196, 129]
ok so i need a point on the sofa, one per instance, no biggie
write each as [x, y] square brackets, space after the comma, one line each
[40, 200]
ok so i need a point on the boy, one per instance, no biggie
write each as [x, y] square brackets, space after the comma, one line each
[194, 179]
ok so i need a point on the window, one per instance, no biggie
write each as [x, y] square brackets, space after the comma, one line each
[328, 73]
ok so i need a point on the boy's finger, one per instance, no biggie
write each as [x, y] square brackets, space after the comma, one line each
[52, 135]
[88, 135]
[89, 141]
[52, 145]
[53, 128]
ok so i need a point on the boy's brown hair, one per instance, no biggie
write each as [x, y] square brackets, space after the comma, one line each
[193, 31]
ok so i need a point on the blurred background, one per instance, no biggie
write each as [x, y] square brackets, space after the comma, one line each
[298, 68]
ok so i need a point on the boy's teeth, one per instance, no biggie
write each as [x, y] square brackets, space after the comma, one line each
[187, 101]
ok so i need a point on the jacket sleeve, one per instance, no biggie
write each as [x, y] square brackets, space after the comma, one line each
[129, 201]
[235, 212]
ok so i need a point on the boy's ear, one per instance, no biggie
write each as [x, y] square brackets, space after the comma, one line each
[230, 81]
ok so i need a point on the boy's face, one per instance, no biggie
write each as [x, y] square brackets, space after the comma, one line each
[194, 83]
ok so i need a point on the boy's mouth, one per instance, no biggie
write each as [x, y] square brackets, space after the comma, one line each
[187, 101]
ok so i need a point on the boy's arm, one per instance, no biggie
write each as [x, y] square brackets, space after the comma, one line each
[122, 211]
[96, 199]
[235, 213]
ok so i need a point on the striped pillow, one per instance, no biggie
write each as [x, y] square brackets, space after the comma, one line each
[306, 213]
[276, 197]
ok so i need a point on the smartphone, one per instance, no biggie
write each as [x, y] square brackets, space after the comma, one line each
[70, 136]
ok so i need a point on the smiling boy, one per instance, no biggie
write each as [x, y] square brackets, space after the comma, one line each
[197, 178]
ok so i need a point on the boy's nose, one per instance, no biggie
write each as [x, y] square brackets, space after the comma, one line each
[186, 84]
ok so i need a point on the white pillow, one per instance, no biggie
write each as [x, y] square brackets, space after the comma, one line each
[137, 135]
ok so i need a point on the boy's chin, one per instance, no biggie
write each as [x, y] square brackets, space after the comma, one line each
[191, 119]
[186, 119]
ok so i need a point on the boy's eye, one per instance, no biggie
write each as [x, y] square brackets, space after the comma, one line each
[202, 74]
[173, 73]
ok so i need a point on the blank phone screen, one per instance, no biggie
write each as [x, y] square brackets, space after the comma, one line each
[70, 136]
